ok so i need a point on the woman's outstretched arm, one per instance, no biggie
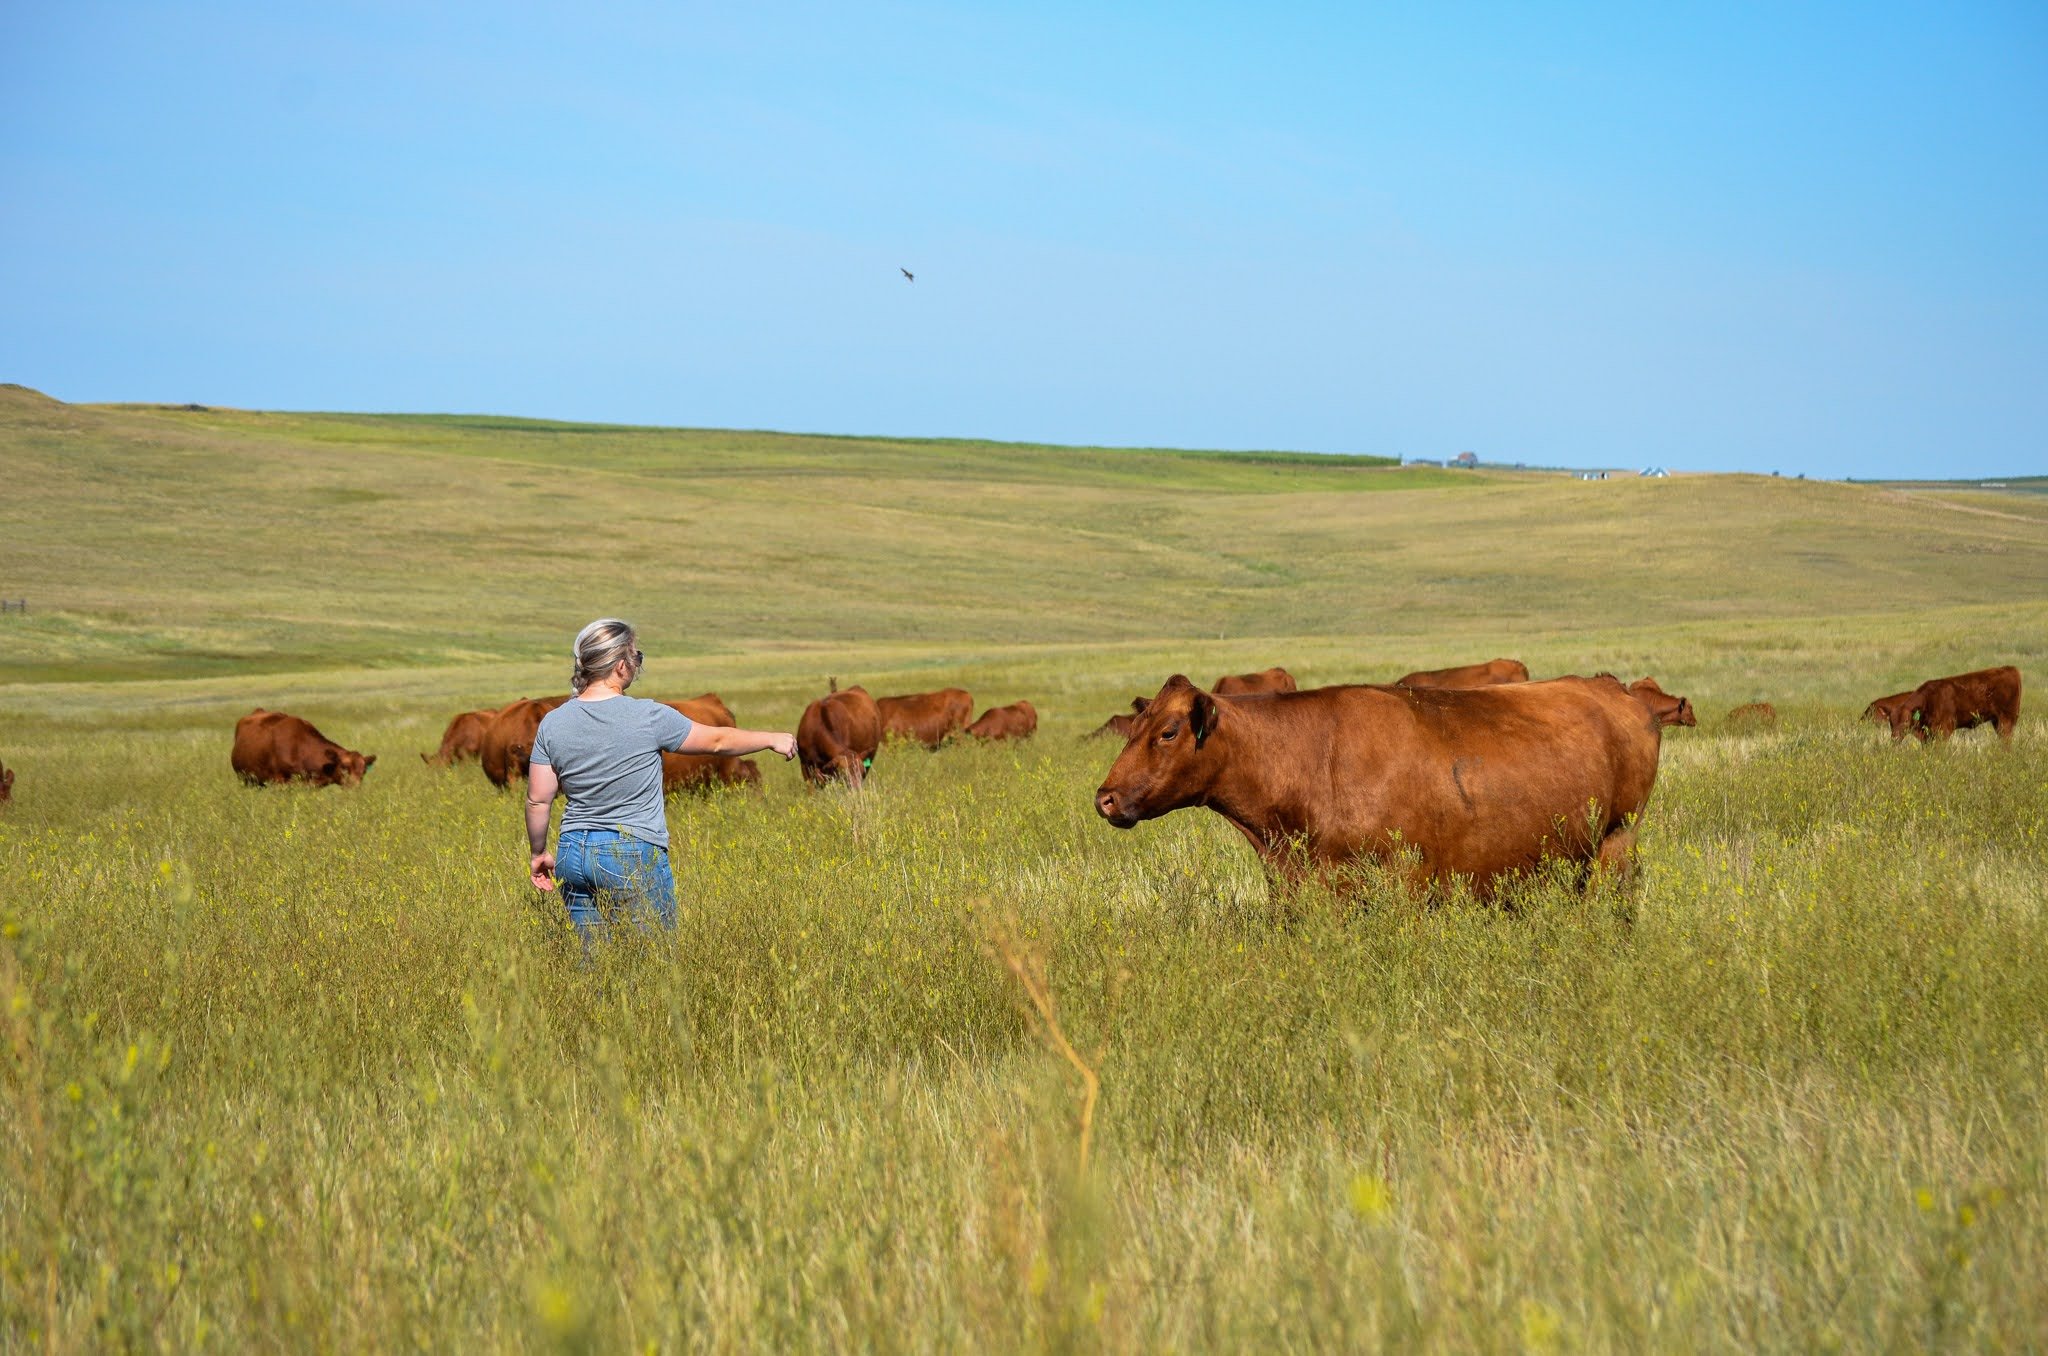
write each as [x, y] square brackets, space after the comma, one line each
[728, 739]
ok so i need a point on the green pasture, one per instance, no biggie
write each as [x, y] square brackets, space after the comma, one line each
[294, 1069]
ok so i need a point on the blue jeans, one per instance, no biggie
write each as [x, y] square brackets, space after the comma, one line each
[606, 874]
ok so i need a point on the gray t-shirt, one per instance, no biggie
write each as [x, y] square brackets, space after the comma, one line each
[608, 756]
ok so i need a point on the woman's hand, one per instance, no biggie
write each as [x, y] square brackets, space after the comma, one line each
[782, 743]
[543, 870]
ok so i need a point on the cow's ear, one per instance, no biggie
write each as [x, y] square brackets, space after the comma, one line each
[1202, 717]
[328, 768]
[367, 761]
[1138, 705]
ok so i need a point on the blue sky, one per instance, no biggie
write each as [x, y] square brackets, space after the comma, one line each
[1806, 238]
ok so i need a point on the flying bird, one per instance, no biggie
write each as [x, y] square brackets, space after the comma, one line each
[908, 276]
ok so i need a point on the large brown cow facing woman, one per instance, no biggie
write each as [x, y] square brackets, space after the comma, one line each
[508, 738]
[462, 739]
[1962, 701]
[930, 718]
[838, 737]
[1275, 679]
[273, 747]
[1482, 783]
[1018, 720]
[1493, 673]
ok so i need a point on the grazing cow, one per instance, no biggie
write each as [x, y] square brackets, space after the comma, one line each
[1482, 783]
[930, 718]
[1275, 679]
[462, 739]
[1895, 711]
[1493, 673]
[1753, 715]
[508, 738]
[1668, 709]
[703, 771]
[838, 736]
[271, 746]
[1121, 726]
[1018, 720]
[6, 784]
[1941, 706]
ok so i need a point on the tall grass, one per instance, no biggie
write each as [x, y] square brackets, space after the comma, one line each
[316, 1069]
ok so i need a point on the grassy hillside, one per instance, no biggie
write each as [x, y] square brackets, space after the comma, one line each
[156, 542]
[316, 1070]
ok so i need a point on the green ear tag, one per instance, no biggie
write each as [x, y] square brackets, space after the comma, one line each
[866, 763]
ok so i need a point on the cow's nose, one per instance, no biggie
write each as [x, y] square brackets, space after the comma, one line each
[1105, 803]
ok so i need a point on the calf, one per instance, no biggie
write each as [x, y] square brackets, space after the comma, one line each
[1895, 711]
[462, 739]
[1493, 673]
[930, 718]
[838, 736]
[706, 708]
[1018, 720]
[1482, 783]
[1244, 684]
[1753, 715]
[273, 747]
[1941, 706]
[1121, 725]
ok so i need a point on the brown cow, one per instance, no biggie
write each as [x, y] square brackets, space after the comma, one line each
[1275, 679]
[930, 718]
[1493, 673]
[6, 784]
[702, 771]
[1667, 708]
[1121, 725]
[1483, 783]
[1941, 706]
[462, 739]
[838, 736]
[271, 746]
[508, 739]
[1753, 715]
[1018, 720]
[1895, 711]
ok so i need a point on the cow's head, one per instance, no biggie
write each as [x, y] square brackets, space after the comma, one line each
[343, 767]
[1167, 763]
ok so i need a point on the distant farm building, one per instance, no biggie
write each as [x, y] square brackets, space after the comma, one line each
[1467, 459]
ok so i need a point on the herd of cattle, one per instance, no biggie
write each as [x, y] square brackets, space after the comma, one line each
[1473, 772]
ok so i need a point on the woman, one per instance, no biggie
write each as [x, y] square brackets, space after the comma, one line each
[603, 751]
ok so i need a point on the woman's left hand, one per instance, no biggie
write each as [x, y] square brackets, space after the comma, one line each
[543, 870]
